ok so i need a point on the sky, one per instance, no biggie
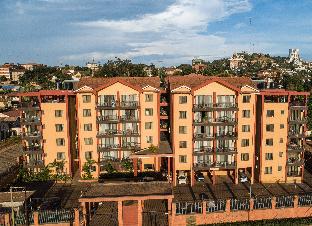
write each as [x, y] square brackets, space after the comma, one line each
[162, 32]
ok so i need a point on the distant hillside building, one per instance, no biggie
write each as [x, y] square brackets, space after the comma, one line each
[198, 64]
[294, 56]
[16, 74]
[5, 70]
[31, 66]
[236, 61]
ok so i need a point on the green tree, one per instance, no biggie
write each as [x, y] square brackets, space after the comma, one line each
[87, 169]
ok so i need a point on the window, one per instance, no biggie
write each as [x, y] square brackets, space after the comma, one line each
[60, 142]
[86, 112]
[182, 144]
[281, 140]
[246, 99]
[60, 155]
[86, 98]
[182, 158]
[245, 156]
[148, 166]
[246, 113]
[269, 142]
[182, 114]
[268, 170]
[149, 111]
[88, 141]
[246, 128]
[245, 142]
[149, 139]
[148, 125]
[59, 127]
[280, 154]
[268, 156]
[279, 168]
[270, 127]
[282, 112]
[88, 155]
[182, 99]
[87, 127]
[282, 126]
[148, 97]
[58, 113]
[270, 113]
[182, 130]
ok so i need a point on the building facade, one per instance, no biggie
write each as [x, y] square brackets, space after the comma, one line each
[185, 126]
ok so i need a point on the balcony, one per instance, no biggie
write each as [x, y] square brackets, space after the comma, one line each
[32, 135]
[32, 150]
[129, 105]
[108, 133]
[226, 136]
[299, 120]
[30, 106]
[295, 148]
[203, 136]
[131, 146]
[130, 133]
[294, 174]
[226, 150]
[295, 161]
[217, 121]
[31, 121]
[202, 166]
[107, 119]
[164, 125]
[296, 134]
[225, 165]
[209, 165]
[32, 163]
[108, 147]
[108, 105]
[297, 105]
[229, 106]
[203, 107]
[129, 118]
[203, 151]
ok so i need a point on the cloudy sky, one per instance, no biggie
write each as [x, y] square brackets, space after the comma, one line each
[163, 32]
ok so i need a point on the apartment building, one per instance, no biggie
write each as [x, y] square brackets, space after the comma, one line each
[215, 126]
[48, 128]
[118, 119]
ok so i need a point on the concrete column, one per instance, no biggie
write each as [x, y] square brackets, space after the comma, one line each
[135, 167]
[204, 208]
[120, 219]
[84, 213]
[273, 203]
[296, 199]
[173, 213]
[36, 218]
[192, 177]
[169, 167]
[228, 206]
[251, 202]
[140, 218]
[77, 220]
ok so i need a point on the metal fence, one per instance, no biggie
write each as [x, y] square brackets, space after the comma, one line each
[20, 218]
[56, 216]
[189, 207]
[284, 201]
[305, 200]
[215, 206]
[240, 204]
[263, 203]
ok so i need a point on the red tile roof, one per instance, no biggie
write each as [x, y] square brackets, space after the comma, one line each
[195, 80]
[136, 82]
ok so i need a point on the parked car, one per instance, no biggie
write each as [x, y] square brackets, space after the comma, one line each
[200, 177]
[182, 179]
[243, 177]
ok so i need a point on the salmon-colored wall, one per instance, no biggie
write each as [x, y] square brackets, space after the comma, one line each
[50, 135]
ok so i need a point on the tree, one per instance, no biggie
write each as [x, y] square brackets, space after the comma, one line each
[87, 169]
[3, 79]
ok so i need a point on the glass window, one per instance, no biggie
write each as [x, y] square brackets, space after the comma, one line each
[270, 113]
[245, 156]
[281, 140]
[182, 130]
[86, 112]
[280, 154]
[268, 156]
[60, 142]
[88, 141]
[182, 158]
[245, 142]
[86, 98]
[246, 98]
[246, 113]
[268, 170]
[270, 127]
[148, 125]
[149, 139]
[149, 111]
[59, 127]
[183, 144]
[279, 168]
[282, 112]
[282, 126]
[148, 97]
[269, 142]
[58, 113]
[88, 155]
[182, 114]
[182, 99]
[60, 155]
[87, 127]
[246, 128]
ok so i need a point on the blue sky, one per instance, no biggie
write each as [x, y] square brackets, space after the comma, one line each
[163, 32]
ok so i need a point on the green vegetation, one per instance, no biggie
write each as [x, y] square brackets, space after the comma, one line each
[281, 222]
[87, 169]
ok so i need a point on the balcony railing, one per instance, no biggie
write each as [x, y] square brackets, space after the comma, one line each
[129, 118]
[203, 136]
[203, 150]
[296, 134]
[295, 161]
[32, 163]
[130, 133]
[30, 106]
[226, 165]
[30, 120]
[295, 148]
[108, 147]
[129, 104]
[297, 104]
[32, 135]
[109, 133]
[207, 165]
[226, 135]
[298, 120]
[107, 118]
[31, 149]
[226, 150]
[216, 106]
[131, 146]
[202, 165]
[293, 174]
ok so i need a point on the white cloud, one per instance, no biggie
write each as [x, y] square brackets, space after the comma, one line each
[178, 31]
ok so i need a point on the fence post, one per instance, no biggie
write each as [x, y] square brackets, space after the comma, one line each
[204, 207]
[76, 220]
[228, 206]
[274, 202]
[36, 218]
[173, 213]
[251, 204]
[296, 199]
[7, 220]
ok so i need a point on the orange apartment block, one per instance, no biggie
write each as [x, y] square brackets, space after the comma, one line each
[188, 124]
